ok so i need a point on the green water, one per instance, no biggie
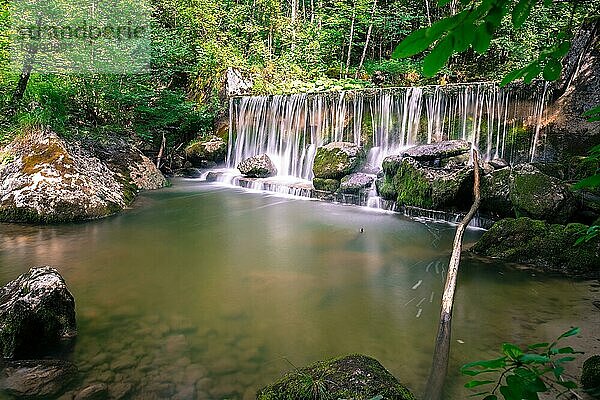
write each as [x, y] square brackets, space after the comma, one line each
[201, 291]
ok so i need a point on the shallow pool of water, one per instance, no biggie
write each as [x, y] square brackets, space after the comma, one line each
[203, 291]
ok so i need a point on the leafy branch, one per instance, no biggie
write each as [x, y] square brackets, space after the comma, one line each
[524, 373]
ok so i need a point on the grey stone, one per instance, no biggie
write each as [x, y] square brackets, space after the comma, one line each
[438, 151]
[37, 313]
[96, 391]
[37, 378]
[259, 166]
[356, 182]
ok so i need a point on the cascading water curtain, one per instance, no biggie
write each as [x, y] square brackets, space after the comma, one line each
[501, 122]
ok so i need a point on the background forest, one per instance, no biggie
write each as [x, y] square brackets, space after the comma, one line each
[283, 46]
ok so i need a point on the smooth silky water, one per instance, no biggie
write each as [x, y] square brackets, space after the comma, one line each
[202, 290]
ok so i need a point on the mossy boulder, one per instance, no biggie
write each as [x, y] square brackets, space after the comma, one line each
[385, 188]
[37, 312]
[201, 152]
[391, 164]
[352, 377]
[590, 375]
[356, 182]
[337, 159]
[549, 247]
[540, 196]
[441, 153]
[326, 185]
[259, 166]
[435, 188]
[495, 193]
[48, 179]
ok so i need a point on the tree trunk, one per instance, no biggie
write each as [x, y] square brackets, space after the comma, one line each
[439, 367]
[351, 38]
[364, 53]
[161, 151]
[29, 59]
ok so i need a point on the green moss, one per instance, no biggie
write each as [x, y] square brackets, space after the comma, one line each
[590, 374]
[334, 163]
[352, 377]
[386, 188]
[52, 154]
[550, 247]
[327, 185]
[412, 187]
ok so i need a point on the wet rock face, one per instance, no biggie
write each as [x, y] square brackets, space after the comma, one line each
[539, 196]
[337, 159]
[45, 179]
[259, 166]
[549, 247]
[350, 377]
[37, 378]
[37, 312]
[356, 182]
[430, 153]
[212, 150]
[326, 185]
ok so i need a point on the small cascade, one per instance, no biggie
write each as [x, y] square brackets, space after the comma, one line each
[500, 122]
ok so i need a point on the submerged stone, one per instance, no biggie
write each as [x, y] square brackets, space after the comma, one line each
[337, 159]
[259, 166]
[590, 374]
[356, 182]
[352, 377]
[37, 378]
[549, 247]
[37, 312]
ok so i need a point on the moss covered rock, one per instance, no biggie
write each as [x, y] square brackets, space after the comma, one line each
[37, 311]
[421, 186]
[326, 185]
[590, 375]
[540, 196]
[440, 153]
[353, 377]
[356, 182]
[550, 247]
[212, 149]
[335, 160]
[495, 193]
[48, 179]
[385, 188]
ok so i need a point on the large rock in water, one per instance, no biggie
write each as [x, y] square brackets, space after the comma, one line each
[45, 179]
[337, 159]
[546, 246]
[356, 182]
[441, 153]
[353, 377]
[433, 188]
[259, 166]
[212, 150]
[37, 312]
[539, 196]
[37, 378]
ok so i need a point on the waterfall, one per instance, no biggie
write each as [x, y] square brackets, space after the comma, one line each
[500, 122]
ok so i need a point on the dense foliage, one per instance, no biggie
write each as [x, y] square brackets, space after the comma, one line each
[283, 46]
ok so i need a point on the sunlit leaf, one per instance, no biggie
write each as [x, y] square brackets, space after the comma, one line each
[571, 332]
[512, 351]
[533, 358]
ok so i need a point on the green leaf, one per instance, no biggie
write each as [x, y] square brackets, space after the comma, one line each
[491, 397]
[537, 345]
[589, 182]
[512, 351]
[571, 332]
[521, 12]
[438, 57]
[532, 72]
[473, 384]
[568, 384]
[552, 69]
[562, 49]
[533, 358]
[511, 76]
[414, 43]
[593, 115]
[463, 37]
[482, 39]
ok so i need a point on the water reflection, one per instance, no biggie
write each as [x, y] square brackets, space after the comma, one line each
[207, 292]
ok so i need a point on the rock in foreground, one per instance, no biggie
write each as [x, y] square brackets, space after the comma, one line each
[590, 374]
[46, 179]
[353, 377]
[37, 312]
[439, 151]
[212, 150]
[37, 378]
[259, 166]
[550, 247]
